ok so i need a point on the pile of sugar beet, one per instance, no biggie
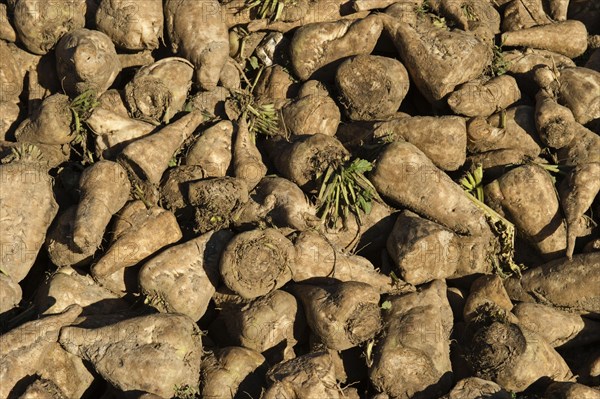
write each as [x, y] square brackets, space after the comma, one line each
[304, 199]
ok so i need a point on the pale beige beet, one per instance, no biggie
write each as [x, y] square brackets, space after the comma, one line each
[22, 348]
[412, 357]
[127, 353]
[436, 59]
[183, 278]
[27, 207]
[549, 37]
[564, 283]
[318, 45]
[527, 197]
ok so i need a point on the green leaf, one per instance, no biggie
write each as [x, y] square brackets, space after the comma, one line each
[253, 62]
[387, 305]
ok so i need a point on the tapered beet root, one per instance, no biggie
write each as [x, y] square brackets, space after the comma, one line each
[231, 370]
[49, 124]
[412, 358]
[132, 28]
[126, 353]
[545, 37]
[514, 357]
[442, 139]
[183, 278]
[149, 157]
[158, 91]
[316, 46]
[341, 314]
[104, 191]
[147, 231]
[405, 175]
[22, 348]
[559, 328]
[527, 196]
[317, 257]
[27, 206]
[69, 286]
[213, 150]
[308, 376]
[40, 25]
[271, 325]
[563, 283]
[438, 60]
[207, 49]
[372, 87]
